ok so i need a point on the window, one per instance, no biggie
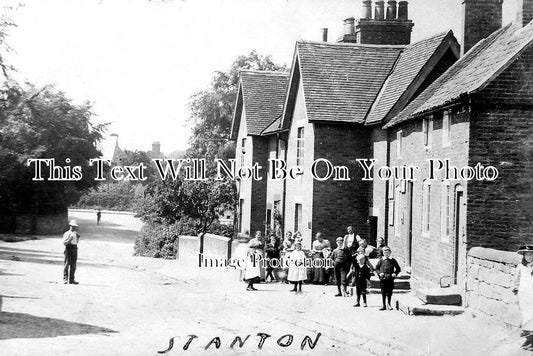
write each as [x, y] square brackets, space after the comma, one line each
[297, 217]
[446, 125]
[300, 147]
[427, 128]
[445, 212]
[399, 144]
[243, 150]
[241, 205]
[397, 211]
[426, 207]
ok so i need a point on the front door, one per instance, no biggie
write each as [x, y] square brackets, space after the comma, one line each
[459, 224]
[409, 223]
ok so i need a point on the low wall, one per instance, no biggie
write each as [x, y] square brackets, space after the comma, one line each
[217, 246]
[37, 225]
[188, 247]
[489, 285]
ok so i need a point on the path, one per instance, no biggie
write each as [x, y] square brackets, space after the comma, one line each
[127, 305]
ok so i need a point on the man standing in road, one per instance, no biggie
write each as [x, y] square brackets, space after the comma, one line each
[70, 240]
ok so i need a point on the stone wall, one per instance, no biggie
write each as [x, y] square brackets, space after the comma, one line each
[217, 246]
[188, 247]
[38, 225]
[489, 285]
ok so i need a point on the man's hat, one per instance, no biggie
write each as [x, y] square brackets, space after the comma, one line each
[339, 239]
[73, 222]
[525, 249]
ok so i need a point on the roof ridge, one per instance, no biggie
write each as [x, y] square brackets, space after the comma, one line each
[439, 34]
[341, 44]
[259, 71]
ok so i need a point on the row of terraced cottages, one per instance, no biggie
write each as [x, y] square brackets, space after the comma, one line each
[374, 95]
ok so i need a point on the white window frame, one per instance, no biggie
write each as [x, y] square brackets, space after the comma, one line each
[426, 207]
[427, 131]
[446, 128]
[399, 144]
[445, 212]
[300, 151]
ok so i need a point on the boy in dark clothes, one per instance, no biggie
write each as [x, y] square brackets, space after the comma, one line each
[387, 269]
[342, 260]
[361, 274]
[272, 252]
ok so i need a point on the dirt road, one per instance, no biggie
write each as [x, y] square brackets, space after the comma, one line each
[127, 305]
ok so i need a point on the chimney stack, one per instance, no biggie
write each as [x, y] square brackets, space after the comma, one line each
[379, 10]
[402, 11]
[391, 10]
[524, 13]
[325, 35]
[156, 147]
[367, 9]
[480, 19]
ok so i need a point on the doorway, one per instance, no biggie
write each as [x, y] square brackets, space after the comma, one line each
[458, 230]
[409, 224]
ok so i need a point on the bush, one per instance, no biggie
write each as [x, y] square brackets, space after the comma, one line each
[160, 240]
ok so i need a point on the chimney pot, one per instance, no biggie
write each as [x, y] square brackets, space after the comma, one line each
[403, 11]
[391, 10]
[379, 10]
[349, 26]
[325, 34]
[367, 9]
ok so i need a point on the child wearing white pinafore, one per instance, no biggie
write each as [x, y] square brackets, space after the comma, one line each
[524, 288]
[297, 270]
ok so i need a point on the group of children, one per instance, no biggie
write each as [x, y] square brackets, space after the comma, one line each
[351, 264]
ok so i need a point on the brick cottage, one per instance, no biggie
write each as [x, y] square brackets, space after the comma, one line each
[375, 95]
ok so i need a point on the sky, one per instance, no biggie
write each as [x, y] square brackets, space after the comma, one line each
[139, 61]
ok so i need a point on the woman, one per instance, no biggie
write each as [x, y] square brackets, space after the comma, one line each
[524, 288]
[319, 272]
[286, 248]
[297, 270]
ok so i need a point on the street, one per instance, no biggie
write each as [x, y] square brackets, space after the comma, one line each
[126, 305]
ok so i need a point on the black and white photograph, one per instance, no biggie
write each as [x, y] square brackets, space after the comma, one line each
[266, 177]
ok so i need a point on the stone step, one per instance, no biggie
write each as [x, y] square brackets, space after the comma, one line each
[400, 284]
[412, 305]
[439, 296]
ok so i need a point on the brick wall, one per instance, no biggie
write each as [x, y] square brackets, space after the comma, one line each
[337, 204]
[433, 251]
[489, 286]
[480, 19]
[383, 32]
[259, 187]
[500, 212]
[244, 186]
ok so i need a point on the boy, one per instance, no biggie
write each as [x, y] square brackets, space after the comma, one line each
[341, 257]
[272, 253]
[387, 269]
[361, 274]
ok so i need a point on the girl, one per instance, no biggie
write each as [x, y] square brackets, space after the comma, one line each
[252, 270]
[297, 269]
[524, 288]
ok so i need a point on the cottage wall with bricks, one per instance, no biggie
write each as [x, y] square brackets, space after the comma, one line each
[260, 155]
[338, 203]
[432, 251]
[299, 191]
[491, 275]
[499, 212]
[277, 150]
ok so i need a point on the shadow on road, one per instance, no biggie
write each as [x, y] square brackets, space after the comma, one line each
[19, 325]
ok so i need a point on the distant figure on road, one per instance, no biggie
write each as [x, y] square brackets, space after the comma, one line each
[70, 240]
[98, 216]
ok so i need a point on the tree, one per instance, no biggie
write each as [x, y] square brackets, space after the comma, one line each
[211, 110]
[43, 123]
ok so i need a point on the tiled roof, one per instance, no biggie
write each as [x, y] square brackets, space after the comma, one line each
[483, 63]
[341, 81]
[263, 97]
[412, 60]
[274, 127]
